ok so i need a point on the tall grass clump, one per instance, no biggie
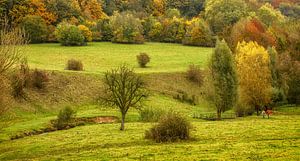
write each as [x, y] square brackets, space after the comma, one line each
[65, 118]
[39, 79]
[170, 128]
[75, 65]
[195, 74]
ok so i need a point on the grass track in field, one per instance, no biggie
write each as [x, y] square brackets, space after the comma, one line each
[102, 56]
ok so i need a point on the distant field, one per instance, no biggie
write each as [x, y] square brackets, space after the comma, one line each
[102, 56]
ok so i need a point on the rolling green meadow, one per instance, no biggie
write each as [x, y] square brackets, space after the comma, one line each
[245, 138]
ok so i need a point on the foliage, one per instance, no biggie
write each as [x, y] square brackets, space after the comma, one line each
[91, 9]
[173, 30]
[39, 79]
[35, 28]
[12, 42]
[274, 66]
[64, 118]
[268, 15]
[251, 29]
[254, 74]
[222, 13]
[198, 33]
[172, 12]
[69, 35]
[290, 10]
[287, 36]
[103, 26]
[159, 7]
[86, 32]
[73, 64]
[170, 128]
[124, 89]
[40, 9]
[195, 74]
[155, 31]
[126, 28]
[293, 83]
[143, 59]
[224, 78]
[63, 9]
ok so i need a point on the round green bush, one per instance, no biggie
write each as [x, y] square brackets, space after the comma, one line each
[35, 28]
[69, 35]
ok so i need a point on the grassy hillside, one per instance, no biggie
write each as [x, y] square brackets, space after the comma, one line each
[249, 138]
[100, 57]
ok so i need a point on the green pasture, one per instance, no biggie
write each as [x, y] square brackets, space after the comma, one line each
[102, 56]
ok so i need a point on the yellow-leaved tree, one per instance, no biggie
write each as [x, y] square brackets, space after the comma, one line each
[254, 74]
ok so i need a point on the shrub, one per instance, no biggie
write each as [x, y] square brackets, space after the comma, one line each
[198, 33]
[86, 32]
[195, 74]
[35, 28]
[65, 118]
[170, 128]
[155, 31]
[173, 30]
[39, 79]
[74, 65]
[143, 59]
[242, 110]
[69, 35]
[151, 114]
[21, 80]
[126, 29]
[105, 29]
[183, 96]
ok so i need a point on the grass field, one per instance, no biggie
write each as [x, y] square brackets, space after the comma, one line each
[100, 57]
[251, 138]
[248, 138]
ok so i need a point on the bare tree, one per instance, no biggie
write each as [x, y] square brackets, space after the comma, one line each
[124, 89]
[12, 42]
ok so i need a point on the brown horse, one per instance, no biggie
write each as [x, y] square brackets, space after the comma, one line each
[267, 113]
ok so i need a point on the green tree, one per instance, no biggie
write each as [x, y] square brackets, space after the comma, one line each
[126, 28]
[124, 89]
[35, 28]
[223, 78]
[222, 13]
[63, 9]
[268, 15]
[198, 33]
